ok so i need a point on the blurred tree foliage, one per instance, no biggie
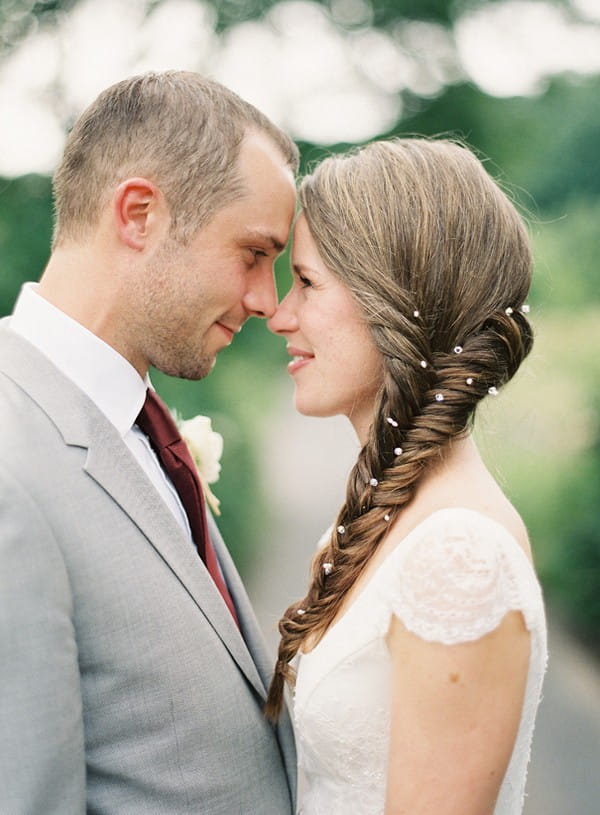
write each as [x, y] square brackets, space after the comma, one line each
[25, 233]
[18, 16]
[573, 575]
[545, 151]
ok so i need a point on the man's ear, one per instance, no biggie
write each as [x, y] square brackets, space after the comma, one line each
[139, 210]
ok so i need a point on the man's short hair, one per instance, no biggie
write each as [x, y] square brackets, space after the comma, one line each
[178, 129]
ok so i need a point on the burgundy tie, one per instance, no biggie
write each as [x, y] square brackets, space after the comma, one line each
[156, 422]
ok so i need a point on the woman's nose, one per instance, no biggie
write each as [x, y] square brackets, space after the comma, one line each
[284, 320]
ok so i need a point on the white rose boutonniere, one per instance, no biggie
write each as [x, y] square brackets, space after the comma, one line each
[206, 448]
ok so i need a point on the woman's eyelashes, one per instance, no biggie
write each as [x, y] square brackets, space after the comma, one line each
[304, 281]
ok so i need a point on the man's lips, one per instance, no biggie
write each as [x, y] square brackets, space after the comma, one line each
[300, 358]
[229, 330]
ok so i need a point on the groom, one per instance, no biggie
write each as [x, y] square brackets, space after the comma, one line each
[132, 671]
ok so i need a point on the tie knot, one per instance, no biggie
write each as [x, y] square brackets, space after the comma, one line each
[156, 422]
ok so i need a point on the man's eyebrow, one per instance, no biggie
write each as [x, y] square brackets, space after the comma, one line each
[266, 237]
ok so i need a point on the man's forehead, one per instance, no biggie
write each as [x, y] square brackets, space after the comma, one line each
[259, 156]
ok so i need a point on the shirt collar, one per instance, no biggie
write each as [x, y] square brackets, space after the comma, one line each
[105, 376]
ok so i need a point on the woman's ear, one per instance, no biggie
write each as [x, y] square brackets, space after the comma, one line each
[139, 210]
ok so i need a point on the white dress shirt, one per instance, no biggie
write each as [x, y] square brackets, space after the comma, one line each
[106, 377]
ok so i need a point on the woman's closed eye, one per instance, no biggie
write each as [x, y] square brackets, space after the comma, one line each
[304, 281]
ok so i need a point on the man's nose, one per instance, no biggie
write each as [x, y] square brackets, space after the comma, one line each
[260, 299]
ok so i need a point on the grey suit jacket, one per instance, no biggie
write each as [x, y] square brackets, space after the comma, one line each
[125, 686]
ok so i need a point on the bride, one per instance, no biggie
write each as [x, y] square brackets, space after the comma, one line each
[419, 650]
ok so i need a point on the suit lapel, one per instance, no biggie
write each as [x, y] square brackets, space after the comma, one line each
[115, 469]
[111, 464]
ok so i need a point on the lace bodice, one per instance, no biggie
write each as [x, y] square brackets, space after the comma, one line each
[451, 580]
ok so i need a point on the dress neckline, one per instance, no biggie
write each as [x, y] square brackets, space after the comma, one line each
[401, 545]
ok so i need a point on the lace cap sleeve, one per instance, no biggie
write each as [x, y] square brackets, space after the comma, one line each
[457, 579]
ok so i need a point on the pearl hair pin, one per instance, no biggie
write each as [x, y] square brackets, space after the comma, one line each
[508, 311]
[300, 611]
[391, 421]
[341, 529]
[397, 451]
[386, 517]
[439, 397]
[423, 363]
[458, 349]
[328, 568]
[524, 309]
[469, 380]
[416, 313]
[373, 482]
[493, 391]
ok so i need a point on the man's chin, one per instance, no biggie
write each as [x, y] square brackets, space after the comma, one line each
[192, 370]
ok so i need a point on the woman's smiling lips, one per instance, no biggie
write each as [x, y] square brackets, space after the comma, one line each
[300, 358]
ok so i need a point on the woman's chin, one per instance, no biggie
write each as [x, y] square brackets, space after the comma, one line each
[314, 408]
[304, 410]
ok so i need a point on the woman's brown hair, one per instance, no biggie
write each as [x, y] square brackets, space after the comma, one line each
[439, 261]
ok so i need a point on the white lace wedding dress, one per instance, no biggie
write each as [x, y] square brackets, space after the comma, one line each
[451, 580]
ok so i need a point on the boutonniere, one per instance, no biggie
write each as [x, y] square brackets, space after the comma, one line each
[206, 448]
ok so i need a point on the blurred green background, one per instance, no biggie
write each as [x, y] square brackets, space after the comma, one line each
[513, 90]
